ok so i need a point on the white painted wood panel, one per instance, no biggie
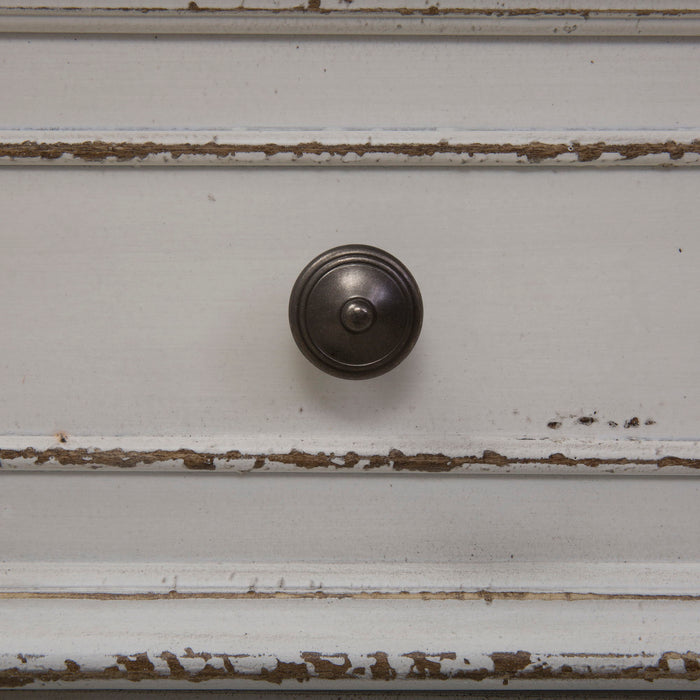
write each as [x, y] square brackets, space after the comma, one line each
[286, 520]
[111, 579]
[511, 579]
[155, 303]
[168, 82]
[145, 313]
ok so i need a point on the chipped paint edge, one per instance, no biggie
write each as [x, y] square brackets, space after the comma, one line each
[383, 148]
[240, 666]
[476, 643]
[315, 19]
[66, 453]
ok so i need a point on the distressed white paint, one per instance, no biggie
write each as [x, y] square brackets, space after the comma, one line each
[182, 21]
[456, 455]
[146, 310]
[370, 17]
[627, 548]
[350, 147]
[551, 631]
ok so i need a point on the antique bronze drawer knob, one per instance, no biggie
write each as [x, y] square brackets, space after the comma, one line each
[355, 311]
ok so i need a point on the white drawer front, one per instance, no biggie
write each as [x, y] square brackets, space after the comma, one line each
[166, 173]
[558, 303]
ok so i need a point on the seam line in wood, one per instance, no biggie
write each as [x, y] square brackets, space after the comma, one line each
[314, 7]
[485, 595]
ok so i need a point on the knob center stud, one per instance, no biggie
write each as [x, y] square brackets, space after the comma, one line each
[357, 315]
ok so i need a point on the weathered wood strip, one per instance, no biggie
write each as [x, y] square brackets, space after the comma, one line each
[351, 148]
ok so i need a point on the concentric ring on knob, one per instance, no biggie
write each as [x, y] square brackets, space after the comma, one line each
[355, 311]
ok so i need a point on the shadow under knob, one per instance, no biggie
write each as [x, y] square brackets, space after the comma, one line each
[355, 311]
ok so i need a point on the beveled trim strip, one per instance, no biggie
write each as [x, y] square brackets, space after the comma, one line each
[333, 147]
[503, 456]
[313, 18]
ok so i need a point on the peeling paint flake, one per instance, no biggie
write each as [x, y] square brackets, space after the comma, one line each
[394, 460]
[502, 666]
[531, 153]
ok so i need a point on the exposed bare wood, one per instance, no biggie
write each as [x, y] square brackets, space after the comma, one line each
[236, 666]
[574, 152]
[395, 461]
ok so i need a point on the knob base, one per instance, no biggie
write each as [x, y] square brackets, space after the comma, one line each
[355, 311]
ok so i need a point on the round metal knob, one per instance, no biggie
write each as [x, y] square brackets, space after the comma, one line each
[355, 311]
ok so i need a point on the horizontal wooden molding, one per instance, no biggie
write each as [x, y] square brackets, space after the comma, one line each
[485, 580]
[331, 147]
[474, 456]
[349, 644]
[239, 666]
[328, 18]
